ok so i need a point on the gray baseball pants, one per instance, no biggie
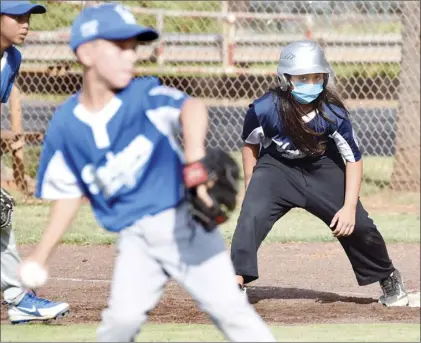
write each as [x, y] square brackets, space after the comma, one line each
[171, 244]
[10, 260]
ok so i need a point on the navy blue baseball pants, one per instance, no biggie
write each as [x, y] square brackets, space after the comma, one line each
[318, 187]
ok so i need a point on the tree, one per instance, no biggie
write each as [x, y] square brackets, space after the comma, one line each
[406, 172]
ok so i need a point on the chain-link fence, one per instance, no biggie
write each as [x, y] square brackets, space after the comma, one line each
[226, 53]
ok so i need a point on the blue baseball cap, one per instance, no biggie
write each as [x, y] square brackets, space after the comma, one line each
[21, 7]
[110, 22]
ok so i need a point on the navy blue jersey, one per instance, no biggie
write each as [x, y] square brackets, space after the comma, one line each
[262, 125]
[125, 158]
[10, 64]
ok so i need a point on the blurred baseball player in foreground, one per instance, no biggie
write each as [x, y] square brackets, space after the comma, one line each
[115, 143]
[23, 306]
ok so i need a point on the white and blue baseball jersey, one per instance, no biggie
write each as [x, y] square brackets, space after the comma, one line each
[125, 158]
[262, 125]
[10, 64]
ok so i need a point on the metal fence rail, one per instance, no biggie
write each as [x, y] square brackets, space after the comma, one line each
[258, 48]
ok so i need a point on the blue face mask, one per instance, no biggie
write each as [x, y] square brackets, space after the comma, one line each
[305, 93]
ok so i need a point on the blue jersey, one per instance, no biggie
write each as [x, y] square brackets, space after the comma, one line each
[262, 125]
[125, 158]
[10, 63]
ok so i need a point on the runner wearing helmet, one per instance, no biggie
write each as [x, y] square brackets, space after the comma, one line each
[300, 151]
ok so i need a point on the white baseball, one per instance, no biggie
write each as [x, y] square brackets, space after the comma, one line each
[33, 275]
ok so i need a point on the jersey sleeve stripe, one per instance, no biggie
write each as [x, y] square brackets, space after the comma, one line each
[256, 136]
[58, 181]
[343, 147]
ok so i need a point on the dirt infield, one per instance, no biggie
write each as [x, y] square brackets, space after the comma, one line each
[300, 283]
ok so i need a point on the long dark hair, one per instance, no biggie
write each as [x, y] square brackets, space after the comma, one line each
[309, 141]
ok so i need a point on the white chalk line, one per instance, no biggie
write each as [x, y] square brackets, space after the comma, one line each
[356, 294]
[80, 280]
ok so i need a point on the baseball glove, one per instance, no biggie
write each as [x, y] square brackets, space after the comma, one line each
[220, 174]
[7, 205]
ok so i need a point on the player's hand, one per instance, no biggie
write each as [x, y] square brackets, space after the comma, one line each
[202, 193]
[196, 177]
[33, 272]
[344, 220]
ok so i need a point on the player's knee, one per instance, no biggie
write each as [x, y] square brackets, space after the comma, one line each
[254, 215]
[364, 225]
[365, 231]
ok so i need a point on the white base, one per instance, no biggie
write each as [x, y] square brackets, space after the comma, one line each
[414, 299]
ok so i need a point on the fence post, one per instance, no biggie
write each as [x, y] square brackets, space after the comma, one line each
[228, 36]
[406, 169]
[309, 26]
[17, 146]
[159, 49]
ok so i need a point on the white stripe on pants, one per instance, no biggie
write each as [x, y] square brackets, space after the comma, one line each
[171, 244]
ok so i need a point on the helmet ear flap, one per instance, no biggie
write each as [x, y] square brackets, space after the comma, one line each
[325, 80]
[284, 82]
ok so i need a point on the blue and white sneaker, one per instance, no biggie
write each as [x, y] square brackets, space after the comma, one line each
[32, 308]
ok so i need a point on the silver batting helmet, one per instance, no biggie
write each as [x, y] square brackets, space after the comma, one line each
[301, 57]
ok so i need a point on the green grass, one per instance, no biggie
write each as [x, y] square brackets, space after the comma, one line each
[351, 70]
[296, 226]
[186, 24]
[31, 155]
[30, 220]
[366, 70]
[342, 70]
[60, 14]
[300, 226]
[208, 6]
[377, 173]
[367, 27]
[208, 333]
